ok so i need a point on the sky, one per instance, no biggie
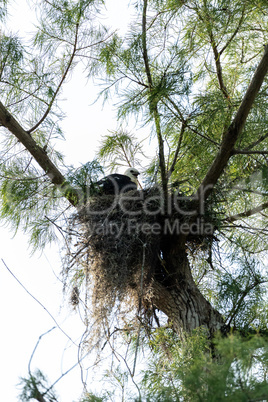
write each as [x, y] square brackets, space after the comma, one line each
[31, 293]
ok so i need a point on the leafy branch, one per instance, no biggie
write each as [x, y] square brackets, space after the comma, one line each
[152, 102]
[231, 135]
[247, 213]
[64, 76]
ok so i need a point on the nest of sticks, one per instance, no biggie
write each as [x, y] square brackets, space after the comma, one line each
[120, 245]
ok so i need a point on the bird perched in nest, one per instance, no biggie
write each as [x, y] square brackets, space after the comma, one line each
[118, 183]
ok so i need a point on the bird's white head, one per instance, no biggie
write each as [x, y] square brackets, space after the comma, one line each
[133, 174]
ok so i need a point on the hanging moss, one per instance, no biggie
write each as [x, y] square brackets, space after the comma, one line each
[120, 248]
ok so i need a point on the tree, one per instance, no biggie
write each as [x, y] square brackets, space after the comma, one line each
[237, 370]
[195, 74]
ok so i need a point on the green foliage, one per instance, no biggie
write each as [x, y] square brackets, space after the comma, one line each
[29, 202]
[121, 149]
[184, 87]
[193, 109]
[241, 293]
[107, 54]
[11, 57]
[85, 176]
[36, 387]
[195, 369]
[189, 372]
[30, 84]
[3, 9]
[89, 397]
[31, 80]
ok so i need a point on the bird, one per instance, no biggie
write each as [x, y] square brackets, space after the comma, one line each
[116, 183]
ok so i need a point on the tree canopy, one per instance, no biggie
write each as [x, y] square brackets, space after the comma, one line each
[188, 249]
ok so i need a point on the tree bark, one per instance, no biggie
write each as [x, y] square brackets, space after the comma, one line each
[232, 134]
[38, 153]
[181, 300]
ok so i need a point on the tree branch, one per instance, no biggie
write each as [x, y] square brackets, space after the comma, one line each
[34, 350]
[218, 67]
[173, 164]
[262, 138]
[60, 83]
[152, 103]
[203, 136]
[231, 135]
[144, 45]
[238, 303]
[184, 121]
[247, 213]
[235, 32]
[245, 152]
[179, 113]
[41, 157]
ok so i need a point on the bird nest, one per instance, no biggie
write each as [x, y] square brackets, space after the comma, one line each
[119, 247]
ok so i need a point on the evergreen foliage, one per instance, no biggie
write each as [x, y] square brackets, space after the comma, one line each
[192, 73]
[189, 371]
[36, 387]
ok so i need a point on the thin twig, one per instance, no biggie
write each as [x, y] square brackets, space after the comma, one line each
[140, 302]
[34, 350]
[244, 152]
[60, 83]
[37, 301]
[173, 164]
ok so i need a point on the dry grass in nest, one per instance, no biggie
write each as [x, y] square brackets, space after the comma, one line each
[120, 248]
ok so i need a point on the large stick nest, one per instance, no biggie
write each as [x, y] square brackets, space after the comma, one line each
[121, 241]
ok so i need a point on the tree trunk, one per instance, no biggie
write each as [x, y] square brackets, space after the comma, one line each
[180, 299]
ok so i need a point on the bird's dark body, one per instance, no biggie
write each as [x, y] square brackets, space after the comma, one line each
[116, 183]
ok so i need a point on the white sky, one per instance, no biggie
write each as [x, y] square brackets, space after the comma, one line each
[22, 319]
